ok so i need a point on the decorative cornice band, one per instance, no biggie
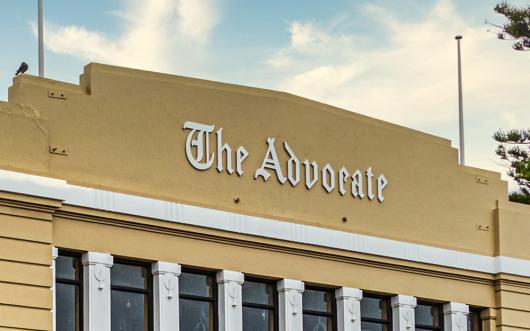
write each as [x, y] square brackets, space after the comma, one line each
[290, 284]
[347, 293]
[93, 258]
[161, 267]
[257, 226]
[403, 300]
[455, 307]
[226, 276]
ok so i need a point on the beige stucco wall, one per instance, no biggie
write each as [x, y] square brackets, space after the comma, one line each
[25, 261]
[122, 130]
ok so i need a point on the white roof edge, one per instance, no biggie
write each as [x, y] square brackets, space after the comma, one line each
[263, 227]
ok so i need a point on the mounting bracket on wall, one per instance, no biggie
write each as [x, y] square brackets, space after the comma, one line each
[56, 95]
[58, 150]
[481, 180]
[483, 227]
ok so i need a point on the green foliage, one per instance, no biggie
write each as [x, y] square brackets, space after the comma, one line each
[519, 136]
[519, 197]
[513, 144]
[513, 148]
[518, 26]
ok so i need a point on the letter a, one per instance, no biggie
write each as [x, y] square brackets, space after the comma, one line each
[270, 162]
[357, 184]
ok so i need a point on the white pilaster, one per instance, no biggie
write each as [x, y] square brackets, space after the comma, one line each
[230, 300]
[403, 312]
[348, 308]
[290, 304]
[166, 296]
[96, 291]
[55, 254]
[455, 316]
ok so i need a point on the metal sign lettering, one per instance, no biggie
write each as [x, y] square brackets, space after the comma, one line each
[359, 183]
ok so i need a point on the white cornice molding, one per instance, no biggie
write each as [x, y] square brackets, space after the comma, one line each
[93, 258]
[455, 307]
[227, 276]
[290, 284]
[348, 292]
[161, 267]
[404, 300]
[256, 226]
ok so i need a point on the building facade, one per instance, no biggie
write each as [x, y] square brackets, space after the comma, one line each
[145, 201]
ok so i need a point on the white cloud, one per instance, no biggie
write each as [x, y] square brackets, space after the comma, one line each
[197, 19]
[416, 70]
[310, 42]
[410, 78]
[161, 35]
[279, 60]
[306, 37]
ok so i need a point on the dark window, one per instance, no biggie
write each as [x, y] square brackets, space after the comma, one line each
[130, 296]
[198, 301]
[68, 291]
[474, 323]
[319, 307]
[428, 316]
[375, 313]
[259, 305]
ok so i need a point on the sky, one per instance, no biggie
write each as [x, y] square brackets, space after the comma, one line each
[394, 60]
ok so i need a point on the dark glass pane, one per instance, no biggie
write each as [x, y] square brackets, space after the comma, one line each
[317, 301]
[317, 323]
[370, 326]
[427, 315]
[258, 293]
[129, 276]
[128, 311]
[66, 297]
[374, 308]
[194, 284]
[474, 322]
[256, 319]
[196, 315]
[66, 267]
[420, 329]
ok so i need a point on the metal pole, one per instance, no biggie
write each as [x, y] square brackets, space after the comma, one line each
[460, 105]
[41, 41]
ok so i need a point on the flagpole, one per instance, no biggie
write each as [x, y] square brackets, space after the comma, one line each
[41, 40]
[460, 104]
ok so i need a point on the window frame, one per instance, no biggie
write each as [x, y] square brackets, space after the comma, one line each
[441, 316]
[472, 312]
[387, 299]
[214, 299]
[275, 304]
[77, 283]
[333, 313]
[148, 291]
